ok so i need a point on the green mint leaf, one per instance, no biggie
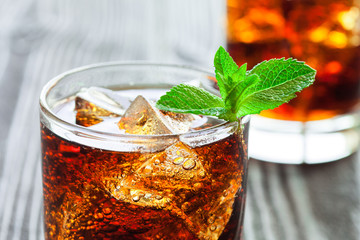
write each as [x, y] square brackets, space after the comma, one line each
[189, 99]
[234, 97]
[235, 80]
[279, 80]
[225, 67]
[266, 86]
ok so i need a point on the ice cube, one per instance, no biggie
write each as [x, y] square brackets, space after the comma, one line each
[179, 123]
[86, 118]
[120, 182]
[178, 167]
[141, 197]
[202, 199]
[144, 119]
[106, 99]
[130, 188]
[151, 179]
[91, 104]
[207, 216]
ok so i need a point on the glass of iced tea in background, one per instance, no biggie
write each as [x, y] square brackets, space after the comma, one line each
[115, 167]
[321, 124]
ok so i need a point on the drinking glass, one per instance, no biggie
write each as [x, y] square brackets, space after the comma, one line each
[322, 123]
[111, 185]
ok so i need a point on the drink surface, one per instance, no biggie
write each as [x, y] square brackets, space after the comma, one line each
[65, 111]
[324, 34]
[178, 192]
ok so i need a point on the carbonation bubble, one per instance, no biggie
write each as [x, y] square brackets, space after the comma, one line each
[189, 164]
[213, 228]
[157, 162]
[107, 211]
[198, 185]
[136, 198]
[99, 216]
[158, 197]
[185, 206]
[211, 220]
[148, 170]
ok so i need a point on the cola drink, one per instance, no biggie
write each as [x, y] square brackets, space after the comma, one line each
[140, 173]
[324, 34]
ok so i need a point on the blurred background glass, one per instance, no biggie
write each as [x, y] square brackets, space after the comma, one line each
[320, 124]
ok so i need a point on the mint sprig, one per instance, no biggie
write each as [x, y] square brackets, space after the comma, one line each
[266, 86]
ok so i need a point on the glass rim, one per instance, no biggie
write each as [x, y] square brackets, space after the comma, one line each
[46, 110]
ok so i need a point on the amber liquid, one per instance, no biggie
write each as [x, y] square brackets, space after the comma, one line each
[91, 193]
[321, 33]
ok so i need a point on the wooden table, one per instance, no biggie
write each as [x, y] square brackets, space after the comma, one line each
[304, 201]
[40, 39]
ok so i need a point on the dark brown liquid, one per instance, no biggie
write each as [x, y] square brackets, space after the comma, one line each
[317, 32]
[91, 193]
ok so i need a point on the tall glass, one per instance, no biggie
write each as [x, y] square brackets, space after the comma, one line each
[110, 185]
[321, 124]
